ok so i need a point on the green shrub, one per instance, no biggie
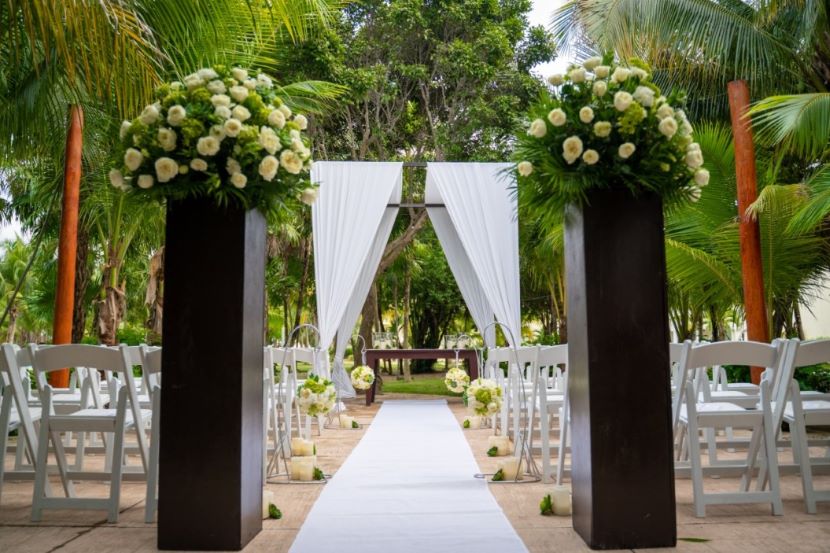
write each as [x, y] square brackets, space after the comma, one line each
[814, 377]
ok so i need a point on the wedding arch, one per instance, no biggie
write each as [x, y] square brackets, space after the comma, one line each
[473, 211]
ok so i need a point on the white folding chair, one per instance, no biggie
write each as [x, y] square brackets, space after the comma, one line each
[151, 372]
[814, 412]
[691, 416]
[551, 400]
[126, 415]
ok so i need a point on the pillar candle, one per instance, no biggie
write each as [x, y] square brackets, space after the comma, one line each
[561, 499]
[510, 468]
[302, 468]
[267, 499]
[475, 422]
[501, 443]
[346, 421]
[301, 447]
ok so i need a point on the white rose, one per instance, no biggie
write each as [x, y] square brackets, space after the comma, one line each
[220, 100]
[586, 114]
[149, 115]
[241, 113]
[577, 75]
[622, 100]
[276, 119]
[239, 74]
[193, 81]
[264, 80]
[694, 159]
[223, 112]
[183, 169]
[125, 127]
[269, 140]
[250, 84]
[268, 167]
[291, 162]
[232, 166]
[525, 168]
[601, 71]
[641, 74]
[232, 127]
[177, 85]
[133, 159]
[297, 145]
[668, 127]
[694, 195]
[175, 115]
[602, 128]
[301, 122]
[207, 146]
[538, 128]
[600, 88]
[198, 164]
[207, 73]
[116, 178]
[693, 146]
[294, 133]
[557, 118]
[216, 87]
[701, 177]
[239, 180]
[308, 196]
[167, 139]
[665, 111]
[685, 128]
[217, 132]
[626, 150]
[590, 157]
[591, 63]
[620, 74]
[644, 95]
[145, 181]
[556, 79]
[572, 149]
[166, 169]
[285, 110]
[238, 93]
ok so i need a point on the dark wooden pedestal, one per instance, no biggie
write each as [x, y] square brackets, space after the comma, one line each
[623, 473]
[210, 478]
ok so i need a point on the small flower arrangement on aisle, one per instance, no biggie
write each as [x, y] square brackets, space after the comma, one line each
[484, 397]
[316, 396]
[456, 380]
[605, 125]
[362, 377]
[221, 133]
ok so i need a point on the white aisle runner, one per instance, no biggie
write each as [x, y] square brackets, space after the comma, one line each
[408, 486]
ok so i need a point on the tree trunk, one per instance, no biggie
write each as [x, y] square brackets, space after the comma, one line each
[83, 275]
[111, 311]
[298, 316]
[407, 292]
[12, 330]
[154, 298]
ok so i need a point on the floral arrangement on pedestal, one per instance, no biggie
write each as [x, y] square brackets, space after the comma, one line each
[362, 377]
[316, 396]
[221, 133]
[484, 397]
[456, 380]
[604, 125]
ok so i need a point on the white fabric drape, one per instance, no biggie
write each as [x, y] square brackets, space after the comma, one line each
[346, 217]
[482, 209]
[462, 270]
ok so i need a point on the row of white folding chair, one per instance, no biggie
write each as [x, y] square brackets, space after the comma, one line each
[515, 388]
[691, 414]
[126, 416]
[151, 374]
[552, 403]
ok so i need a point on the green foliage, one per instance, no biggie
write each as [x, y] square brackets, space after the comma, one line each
[546, 506]
[274, 512]
[493, 452]
[466, 423]
[499, 476]
[815, 377]
[355, 424]
[318, 474]
[418, 385]
[132, 334]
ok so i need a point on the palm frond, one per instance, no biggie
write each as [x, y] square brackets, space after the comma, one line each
[799, 123]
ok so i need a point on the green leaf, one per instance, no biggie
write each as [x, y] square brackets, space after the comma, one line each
[493, 452]
[274, 512]
[546, 506]
[318, 474]
[499, 476]
[355, 424]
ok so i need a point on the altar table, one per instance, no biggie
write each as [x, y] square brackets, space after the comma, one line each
[375, 355]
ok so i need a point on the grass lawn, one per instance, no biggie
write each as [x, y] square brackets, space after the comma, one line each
[423, 385]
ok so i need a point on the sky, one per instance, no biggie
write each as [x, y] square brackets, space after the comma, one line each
[540, 15]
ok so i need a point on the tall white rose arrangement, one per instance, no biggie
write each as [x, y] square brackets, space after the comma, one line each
[606, 125]
[222, 133]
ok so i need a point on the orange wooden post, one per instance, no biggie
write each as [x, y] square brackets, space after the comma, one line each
[67, 247]
[750, 233]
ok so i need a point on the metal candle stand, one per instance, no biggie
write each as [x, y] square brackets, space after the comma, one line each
[329, 424]
[524, 439]
[283, 445]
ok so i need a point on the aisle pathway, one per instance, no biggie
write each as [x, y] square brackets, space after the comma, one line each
[408, 486]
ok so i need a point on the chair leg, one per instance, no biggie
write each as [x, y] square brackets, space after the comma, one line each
[754, 446]
[565, 423]
[544, 430]
[693, 438]
[772, 463]
[60, 457]
[41, 470]
[115, 480]
[800, 444]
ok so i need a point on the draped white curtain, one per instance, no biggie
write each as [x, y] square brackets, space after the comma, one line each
[482, 209]
[346, 220]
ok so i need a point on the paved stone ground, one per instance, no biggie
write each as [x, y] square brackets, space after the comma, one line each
[734, 528]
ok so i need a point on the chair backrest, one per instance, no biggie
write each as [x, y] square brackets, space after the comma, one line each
[551, 362]
[101, 358]
[150, 359]
[10, 372]
[812, 353]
